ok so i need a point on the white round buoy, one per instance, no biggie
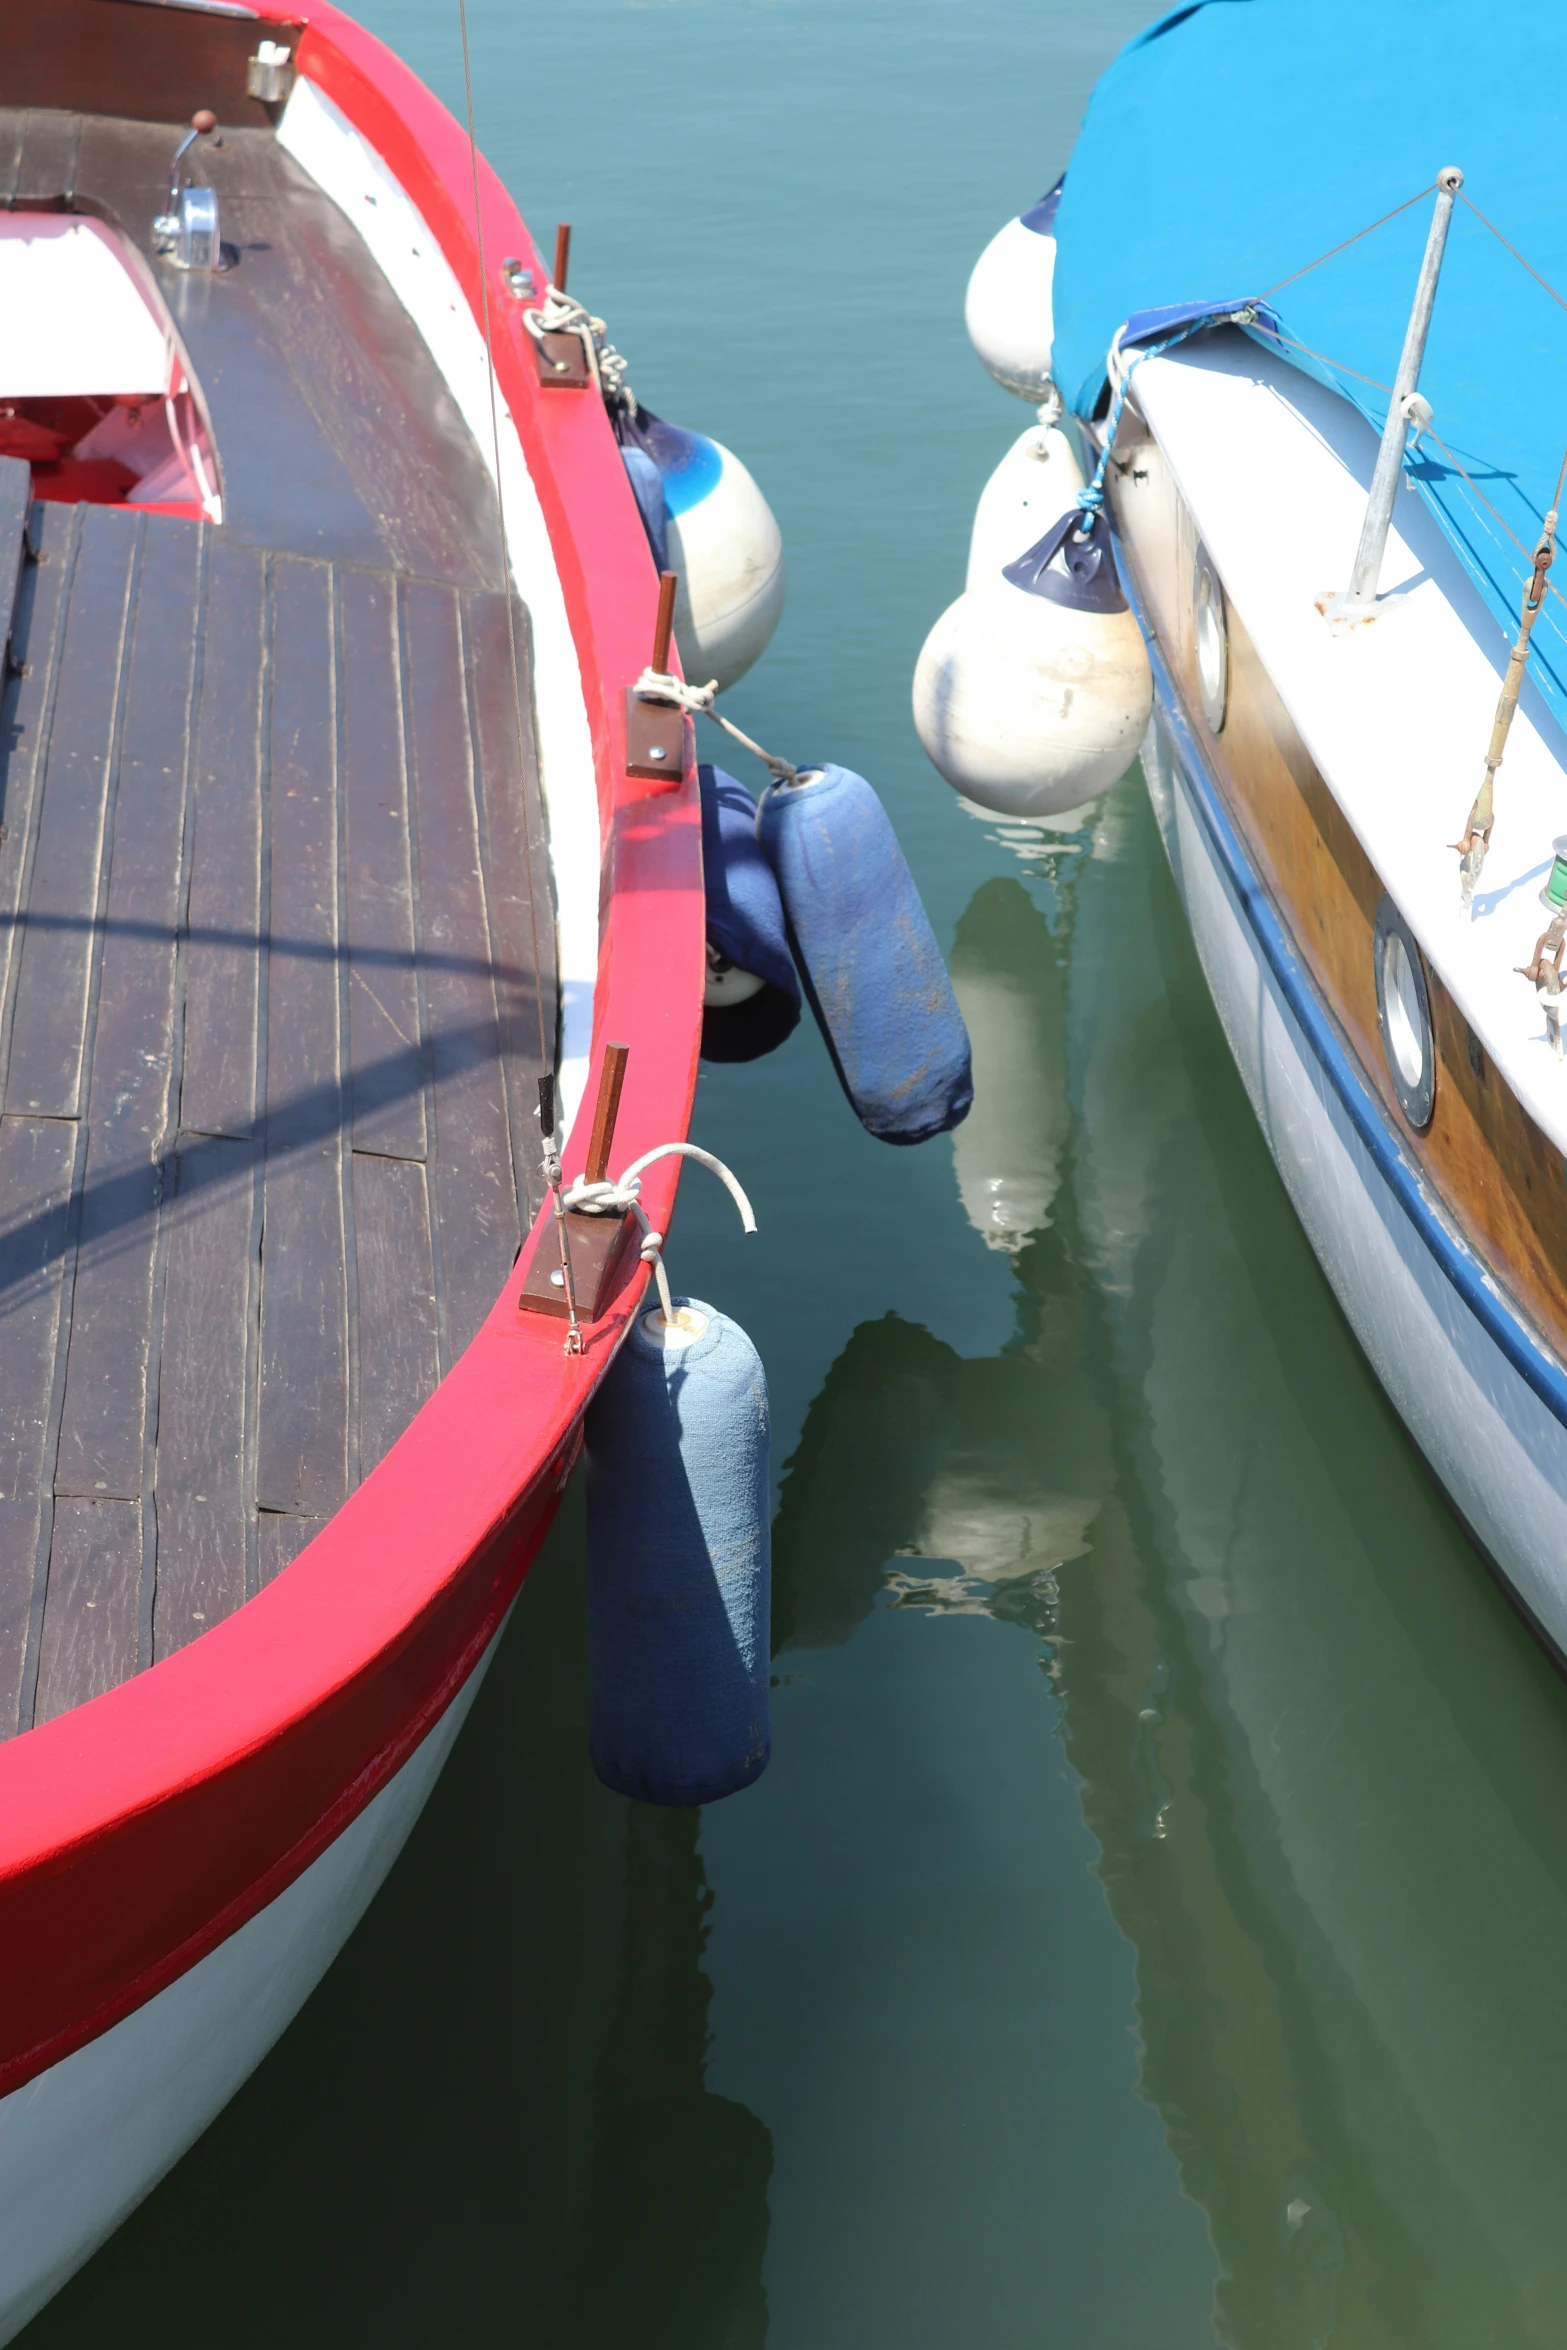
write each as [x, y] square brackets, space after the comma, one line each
[1033, 693]
[1035, 483]
[728, 550]
[714, 527]
[1007, 309]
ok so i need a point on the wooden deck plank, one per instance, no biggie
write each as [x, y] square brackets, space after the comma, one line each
[26, 714]
[11, 122]
[281, 1540]
[46, 166]
[202, 1503]
[36, 1160]
[385, 1041]
[516, 863]
[475, 1191]
[16, 498]
[224, 957]
[48, 1031]
[399, 1352]
[93, 1606]
[101, 1433]
[302, 1442]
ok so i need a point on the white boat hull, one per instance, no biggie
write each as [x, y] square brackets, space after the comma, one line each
[1495, 1443]
[83, 2143]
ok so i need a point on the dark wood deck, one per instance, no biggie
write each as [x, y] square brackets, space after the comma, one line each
[268, 1025]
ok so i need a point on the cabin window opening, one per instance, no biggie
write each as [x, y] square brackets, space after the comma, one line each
[1404, 1009]
[1212, 642]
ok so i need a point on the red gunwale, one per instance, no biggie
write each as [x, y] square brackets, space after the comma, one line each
[141, 1829]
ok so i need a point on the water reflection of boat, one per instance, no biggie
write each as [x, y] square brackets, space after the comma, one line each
[1361, 2074]
[1300, 1723]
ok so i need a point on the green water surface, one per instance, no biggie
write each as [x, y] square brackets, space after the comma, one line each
[1152, 1929]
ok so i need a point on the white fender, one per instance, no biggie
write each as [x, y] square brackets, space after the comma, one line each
[728, 551]
[1029, 707]
[1036, 481]
[1007, 309]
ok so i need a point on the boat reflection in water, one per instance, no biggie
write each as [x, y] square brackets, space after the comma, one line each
[1325, 1766]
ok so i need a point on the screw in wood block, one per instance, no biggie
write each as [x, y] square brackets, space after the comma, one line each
[655, 731]
[603, 1248]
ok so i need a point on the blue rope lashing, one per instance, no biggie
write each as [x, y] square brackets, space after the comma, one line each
[1091, 498]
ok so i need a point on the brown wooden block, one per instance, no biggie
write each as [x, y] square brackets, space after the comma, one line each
[655, 741]
[602, 1248]
[562, 362]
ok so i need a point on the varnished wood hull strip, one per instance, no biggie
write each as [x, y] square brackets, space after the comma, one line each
[1462, 1267]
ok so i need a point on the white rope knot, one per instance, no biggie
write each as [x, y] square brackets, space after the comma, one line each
[562, 314]
[656, 685]
[625, 1199]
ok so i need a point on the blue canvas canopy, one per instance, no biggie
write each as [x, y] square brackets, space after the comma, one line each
[1236, 141]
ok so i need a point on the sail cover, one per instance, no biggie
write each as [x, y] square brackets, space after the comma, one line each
[1236, 141]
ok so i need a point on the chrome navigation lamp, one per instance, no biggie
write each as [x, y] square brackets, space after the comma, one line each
[186, 230]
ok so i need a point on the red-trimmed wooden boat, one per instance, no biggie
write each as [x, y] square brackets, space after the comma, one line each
[287, 873]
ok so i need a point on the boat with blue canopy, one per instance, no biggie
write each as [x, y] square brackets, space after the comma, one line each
[1302, 328]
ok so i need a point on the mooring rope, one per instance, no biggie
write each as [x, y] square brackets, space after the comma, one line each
[656, 685]
[562, 314]
[625, 1199]
[1091, 497]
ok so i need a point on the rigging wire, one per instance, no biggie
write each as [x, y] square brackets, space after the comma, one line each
[1308, 266]
[1517, 256]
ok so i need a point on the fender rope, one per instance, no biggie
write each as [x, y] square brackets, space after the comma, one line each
[624, 1199]
[562, 314]
[656, 685]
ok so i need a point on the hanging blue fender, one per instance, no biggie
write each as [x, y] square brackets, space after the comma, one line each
[867, 954]
[752, 998]
[680, 1561]
[714, 528]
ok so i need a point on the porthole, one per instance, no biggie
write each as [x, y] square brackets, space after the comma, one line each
[1404, 1011]
[1212, 640]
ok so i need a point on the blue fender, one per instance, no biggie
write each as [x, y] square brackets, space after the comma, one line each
[680, 1565]
[867, 954]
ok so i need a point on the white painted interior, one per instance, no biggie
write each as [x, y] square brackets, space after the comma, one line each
[78, 323]
[82, 2144]
[343, 164]
[1396, 712]
[1499, 1451]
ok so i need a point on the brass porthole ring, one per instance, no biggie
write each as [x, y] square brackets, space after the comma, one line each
[1404, 1013]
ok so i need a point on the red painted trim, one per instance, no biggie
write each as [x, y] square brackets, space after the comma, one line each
[140, 1830]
